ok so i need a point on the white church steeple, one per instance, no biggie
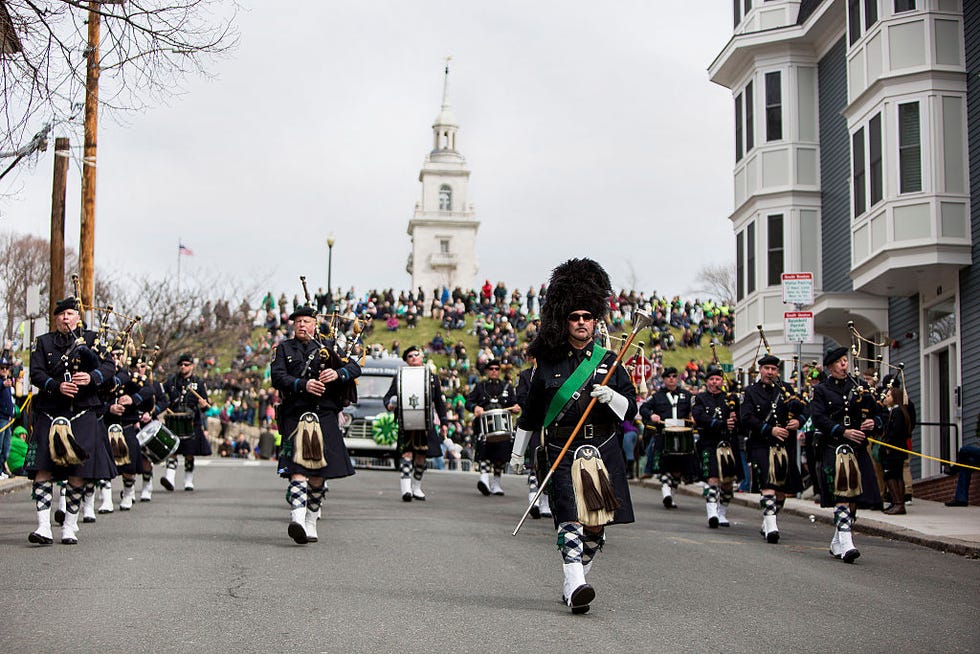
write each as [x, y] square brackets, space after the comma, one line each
[445, 126]
[443, 229]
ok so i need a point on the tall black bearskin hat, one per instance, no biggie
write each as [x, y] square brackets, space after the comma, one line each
[575, 285]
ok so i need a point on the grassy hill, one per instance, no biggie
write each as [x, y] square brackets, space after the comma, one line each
[427, 328]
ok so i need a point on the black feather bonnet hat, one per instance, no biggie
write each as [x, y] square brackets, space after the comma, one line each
[575, 285]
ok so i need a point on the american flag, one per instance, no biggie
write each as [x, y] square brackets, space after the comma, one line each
[183, 249]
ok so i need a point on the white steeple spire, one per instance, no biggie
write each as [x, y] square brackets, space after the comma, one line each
[445, 126]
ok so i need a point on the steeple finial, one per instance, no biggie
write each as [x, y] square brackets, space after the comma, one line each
[445, 85]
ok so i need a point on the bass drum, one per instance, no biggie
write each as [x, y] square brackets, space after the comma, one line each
[414, 401]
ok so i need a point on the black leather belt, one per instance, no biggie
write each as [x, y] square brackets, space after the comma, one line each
[587, 432]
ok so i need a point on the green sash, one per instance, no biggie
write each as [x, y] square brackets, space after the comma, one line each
[573, 384]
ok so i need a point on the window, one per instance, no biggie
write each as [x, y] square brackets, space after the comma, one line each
[909, 149]
[874, 159]
[445, 198]
[444, 246]
[853, 21]
[858, 173]
[775, 263]
[774, 107]
[748, 7]
[870, 13]
[739, 265]
[738, 128]
[904, 5]
[750, 259]
[738, 12]
[854, 18]
[749, 117]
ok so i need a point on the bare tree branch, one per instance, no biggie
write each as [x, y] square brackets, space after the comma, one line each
[148, 48]
[716, 281]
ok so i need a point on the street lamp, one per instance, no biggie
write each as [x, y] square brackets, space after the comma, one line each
[330, 242]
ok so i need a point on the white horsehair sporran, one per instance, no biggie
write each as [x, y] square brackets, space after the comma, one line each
[595, 499]
[308, 442]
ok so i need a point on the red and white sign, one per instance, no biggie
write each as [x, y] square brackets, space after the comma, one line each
[642, 368]
[798, 326]
[797, 288]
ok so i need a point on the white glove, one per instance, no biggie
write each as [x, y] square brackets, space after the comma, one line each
[603, 394]
[517, 463]
[616, 402]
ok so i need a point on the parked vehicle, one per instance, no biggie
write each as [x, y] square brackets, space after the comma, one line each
[358, 422]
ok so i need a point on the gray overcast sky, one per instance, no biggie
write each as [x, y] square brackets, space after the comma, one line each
[590, 129]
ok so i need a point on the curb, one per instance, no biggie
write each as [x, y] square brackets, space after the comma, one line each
[864, 525]
[13, 484]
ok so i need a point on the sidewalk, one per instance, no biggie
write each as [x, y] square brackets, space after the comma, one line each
[931, 524]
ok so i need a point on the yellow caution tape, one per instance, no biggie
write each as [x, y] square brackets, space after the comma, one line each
[924, 456]
[22, 409]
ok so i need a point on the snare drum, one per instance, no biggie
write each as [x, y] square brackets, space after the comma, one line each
[180, 425]
[678, 440]
[157, 442]
[496, 425]
[414, 402]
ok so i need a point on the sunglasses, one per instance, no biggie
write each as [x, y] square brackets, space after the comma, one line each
[186, 363]
[493, 368]
[579, 315]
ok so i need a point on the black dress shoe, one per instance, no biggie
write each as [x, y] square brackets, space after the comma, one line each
[483, 488]
[166, 484]
[59, 516]
[38, 539]
[669, 502]
[298, 533]
[88, 519]
[957, 503]
[536, 512]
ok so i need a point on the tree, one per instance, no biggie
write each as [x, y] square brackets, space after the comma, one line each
[25, 261]
[147, 48]
[717, 281]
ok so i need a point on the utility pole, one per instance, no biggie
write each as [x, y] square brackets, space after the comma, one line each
[86, 249]
[56, 284]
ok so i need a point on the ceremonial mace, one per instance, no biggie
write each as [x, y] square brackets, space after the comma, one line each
[642, 320]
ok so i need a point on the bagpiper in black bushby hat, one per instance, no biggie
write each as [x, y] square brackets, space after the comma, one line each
[833, 355]
[303, 310]
[769, 360]
[64, 305]
[575, 285]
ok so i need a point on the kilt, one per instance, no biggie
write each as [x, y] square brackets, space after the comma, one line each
[135, 465]
[420, 442]
[758, 455]
[869, 497]
[196, 445]
[334, 451]
[709, 460]
[561, 494]
[90, 434]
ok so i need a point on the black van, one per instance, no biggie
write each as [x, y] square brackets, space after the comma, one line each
[374, 382]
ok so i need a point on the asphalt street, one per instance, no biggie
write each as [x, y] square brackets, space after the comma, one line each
[214, 570]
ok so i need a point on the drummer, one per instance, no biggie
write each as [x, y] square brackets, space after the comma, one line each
[416, 445]
[670, 406]
[187, 395]
[139, 402]
[492, 451]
